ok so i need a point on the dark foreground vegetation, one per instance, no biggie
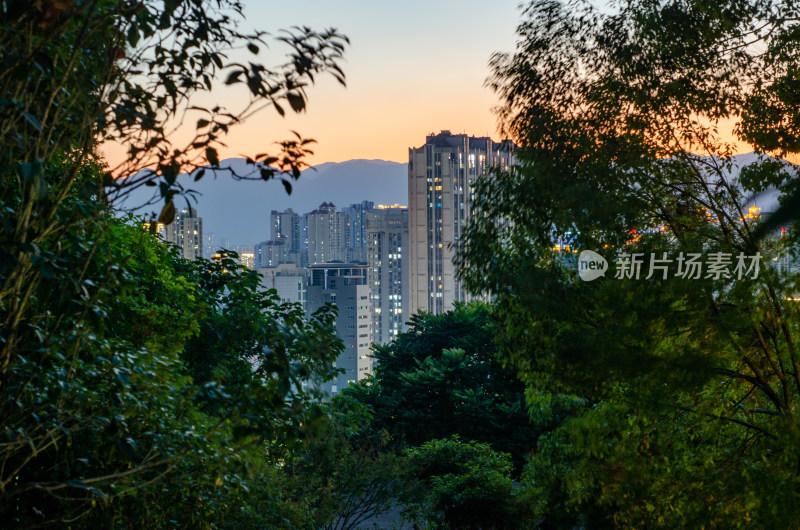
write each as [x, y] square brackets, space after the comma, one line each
[140, 390]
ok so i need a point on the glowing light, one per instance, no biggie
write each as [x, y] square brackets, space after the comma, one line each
[752, 213]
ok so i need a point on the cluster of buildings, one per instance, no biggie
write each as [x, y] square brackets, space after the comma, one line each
[356, 258]
[185, 231]
[378, 264]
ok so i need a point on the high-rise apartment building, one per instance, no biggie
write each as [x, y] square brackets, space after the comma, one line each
[186, 231]
[284, 245]
[285, 226]
[345, 284]
[270, 254]
[357, 232]
[441, 174]
[387, 258]
[209, 244]
[327, 235]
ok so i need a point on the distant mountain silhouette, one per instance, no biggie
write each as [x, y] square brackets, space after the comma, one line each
[239, 210]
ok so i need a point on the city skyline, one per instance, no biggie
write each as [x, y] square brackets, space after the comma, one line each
[412, 70]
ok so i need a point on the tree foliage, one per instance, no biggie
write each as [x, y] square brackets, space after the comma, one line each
[75, 74]
[136, 389]
[464, 485]
[442, 378]
[683, 390]
[110, 417]
[344, 479]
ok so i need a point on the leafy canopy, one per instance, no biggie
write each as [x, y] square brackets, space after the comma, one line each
[442, 378]
[137, 389]
[683, 391]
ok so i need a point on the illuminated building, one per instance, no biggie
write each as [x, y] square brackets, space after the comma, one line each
[247, 259]
[270, 254]
[158, 230]
[209, 244]
[327, 235]
[441, 174]
[387, 257]
[356, 230]
[186, 231]
[285, 227]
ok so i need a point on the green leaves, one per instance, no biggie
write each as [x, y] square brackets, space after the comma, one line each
[763, 174]
[648, 385]
[110, 402]
[442, 378]
[134, 414]
[167, 214]
[465, 485]
[212, 157]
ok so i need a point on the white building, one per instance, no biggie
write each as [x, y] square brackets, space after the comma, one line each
[441, 174]
[288, 280]
[186, 231]
[327, 235]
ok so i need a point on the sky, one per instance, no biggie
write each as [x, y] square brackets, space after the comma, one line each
[413, 68]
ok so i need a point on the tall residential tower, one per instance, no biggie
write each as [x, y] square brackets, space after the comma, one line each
[387, 256]
[327, 232]
[285, 226]
[357, 233]
[441, 174]
[186, 231]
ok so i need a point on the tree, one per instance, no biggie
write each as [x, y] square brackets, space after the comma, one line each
[683, 389]
[99, 323]
[146, 61]
[464, 485]
[121, 432]
[442, 378]
[344, 479]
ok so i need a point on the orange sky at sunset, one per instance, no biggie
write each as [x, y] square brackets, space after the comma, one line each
[412, 68]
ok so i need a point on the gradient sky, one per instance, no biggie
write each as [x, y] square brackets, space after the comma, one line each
[412, 68]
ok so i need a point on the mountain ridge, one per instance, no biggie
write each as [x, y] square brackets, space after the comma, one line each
[237, 211]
